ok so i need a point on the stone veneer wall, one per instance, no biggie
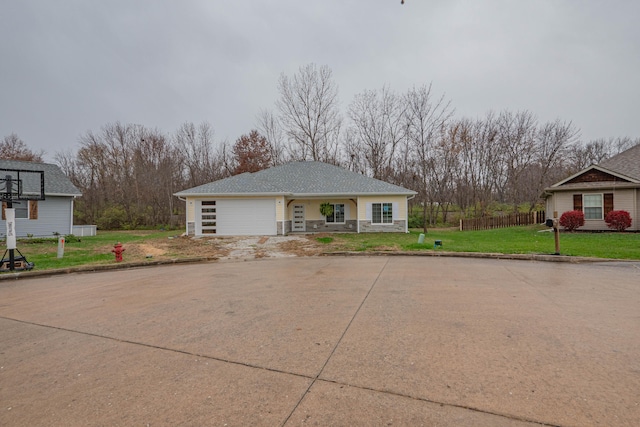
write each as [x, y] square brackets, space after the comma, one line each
[399, 226]
[287, 228]
[191, 228]
[320, 226]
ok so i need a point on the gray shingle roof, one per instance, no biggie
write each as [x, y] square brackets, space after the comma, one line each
[56, 183]
[626, 163]
[298, 179]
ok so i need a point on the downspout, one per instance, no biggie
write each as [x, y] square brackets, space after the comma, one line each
[284, 216]
[71, 221]
[636, 214]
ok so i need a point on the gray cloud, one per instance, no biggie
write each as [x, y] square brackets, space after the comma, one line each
[71, 66]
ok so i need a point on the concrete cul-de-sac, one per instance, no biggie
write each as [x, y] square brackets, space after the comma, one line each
[370, 341]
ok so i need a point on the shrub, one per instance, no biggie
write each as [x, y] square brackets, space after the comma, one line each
[618, 220]
[572, 220]
[112, 218]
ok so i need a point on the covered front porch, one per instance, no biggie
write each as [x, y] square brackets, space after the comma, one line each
[302, 215]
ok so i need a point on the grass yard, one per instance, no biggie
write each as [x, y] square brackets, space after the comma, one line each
[90, 250]
[162, 245]
[513, 240]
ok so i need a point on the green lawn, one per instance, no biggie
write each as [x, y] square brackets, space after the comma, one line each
[513, 240]
[86, 250]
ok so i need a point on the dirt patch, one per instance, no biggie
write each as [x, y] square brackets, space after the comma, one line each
[245, 247]
[302, 247]
[152, 250]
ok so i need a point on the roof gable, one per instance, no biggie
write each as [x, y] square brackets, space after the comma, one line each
[626, 163]
[298, 178]
[621, 169]
[595, 175]
[56, 183]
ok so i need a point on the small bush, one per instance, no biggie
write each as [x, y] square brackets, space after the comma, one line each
[618, 220]
[71, 238]
[572, 220]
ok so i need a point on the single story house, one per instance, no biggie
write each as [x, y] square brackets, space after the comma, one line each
[287, 198]
[614, 184]
[40, 218]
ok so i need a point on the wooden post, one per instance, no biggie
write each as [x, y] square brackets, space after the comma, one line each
[556, 232]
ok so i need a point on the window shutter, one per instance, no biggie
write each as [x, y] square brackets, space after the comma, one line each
[4, 206]
[396, 210]
[33, 209]
[608, 203]
[347, 216]
[368, 215]
[577, 202]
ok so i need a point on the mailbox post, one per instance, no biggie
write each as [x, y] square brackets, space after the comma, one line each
[556, 232]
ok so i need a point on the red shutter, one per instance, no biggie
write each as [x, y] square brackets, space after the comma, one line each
[608, 203]
[577, 202]
[33, 209]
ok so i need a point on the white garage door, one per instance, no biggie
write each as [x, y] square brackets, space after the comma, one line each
[246, 217]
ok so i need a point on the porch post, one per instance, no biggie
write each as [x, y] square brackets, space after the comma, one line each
[358, 216]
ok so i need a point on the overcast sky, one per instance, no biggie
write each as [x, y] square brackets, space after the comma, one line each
[72, 66]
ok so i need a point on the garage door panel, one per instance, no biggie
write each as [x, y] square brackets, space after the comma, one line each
[246, 217]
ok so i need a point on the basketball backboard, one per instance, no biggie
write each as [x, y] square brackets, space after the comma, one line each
[21, 184]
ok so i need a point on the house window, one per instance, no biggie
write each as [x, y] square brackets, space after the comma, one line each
[592, 206]
[382, 213]
[337, 217]
[22, 209]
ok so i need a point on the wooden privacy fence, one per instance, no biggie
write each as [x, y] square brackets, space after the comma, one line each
[511, 220]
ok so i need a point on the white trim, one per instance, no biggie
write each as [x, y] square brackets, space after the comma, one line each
[382, 213]
[601, 206]
[296, 195]
[344, 214]
[71, 219]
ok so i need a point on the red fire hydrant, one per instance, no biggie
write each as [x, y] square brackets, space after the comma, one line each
[118, 250]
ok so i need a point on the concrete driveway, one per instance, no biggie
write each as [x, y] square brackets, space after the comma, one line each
[325, 341]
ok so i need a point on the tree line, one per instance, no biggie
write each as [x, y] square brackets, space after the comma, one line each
[128, 172]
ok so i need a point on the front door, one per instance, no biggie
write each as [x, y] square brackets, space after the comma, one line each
[298, 219]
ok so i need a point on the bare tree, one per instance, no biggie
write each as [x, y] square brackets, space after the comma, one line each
[516, 142]
[425, 116]
[127, 175]
[598, 150]
[14, 148]
[553, 141]
[269, 126]
[202, 163]
[378, 122]
[309, 113]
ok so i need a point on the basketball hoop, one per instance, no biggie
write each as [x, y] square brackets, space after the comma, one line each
[17, 185]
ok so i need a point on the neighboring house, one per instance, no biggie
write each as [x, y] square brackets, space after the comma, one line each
[287, 198]
[42, 218]
[614, 184]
